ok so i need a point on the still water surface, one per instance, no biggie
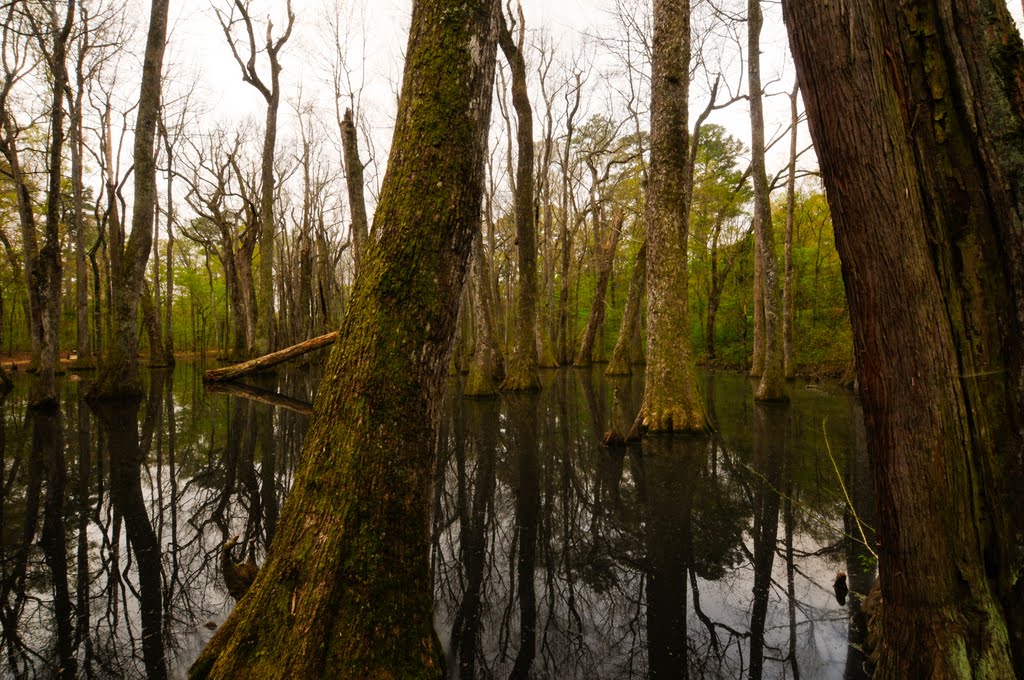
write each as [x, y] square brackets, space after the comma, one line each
[553, 557]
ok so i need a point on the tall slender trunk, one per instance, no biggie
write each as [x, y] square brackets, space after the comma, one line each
[787, 286]
[772, 386]
[521, 368]
[928, 229]
[347, 595]
[83, 337]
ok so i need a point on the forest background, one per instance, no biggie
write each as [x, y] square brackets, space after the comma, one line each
[588, 80]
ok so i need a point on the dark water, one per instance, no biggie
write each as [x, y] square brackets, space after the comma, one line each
[553, 557]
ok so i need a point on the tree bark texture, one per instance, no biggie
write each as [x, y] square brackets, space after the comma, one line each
[119, 375]
[521, 369]
[917, 110]
[595, 319]
[620, 363]
[772, 386]
[672, 399]
[345, 591]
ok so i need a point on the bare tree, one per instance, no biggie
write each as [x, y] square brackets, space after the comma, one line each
[264, 341]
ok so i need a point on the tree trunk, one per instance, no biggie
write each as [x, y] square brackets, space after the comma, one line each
[595, 319]
[47, 275]
[83, 337]
[787, 286]
[521, 368]
[672, 400]
[354, 183]
[917, 111]
[345, 591]
[119, 376]
[485, 367]
[620, 363]
[151, 320]
[168, 323]
[772, 386]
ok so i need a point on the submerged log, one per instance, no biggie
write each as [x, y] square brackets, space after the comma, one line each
[268, 360]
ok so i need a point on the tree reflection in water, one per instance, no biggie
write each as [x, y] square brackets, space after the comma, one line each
[553, 556]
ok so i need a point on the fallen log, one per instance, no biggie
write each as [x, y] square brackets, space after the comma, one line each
[237, 389]
[268, 360]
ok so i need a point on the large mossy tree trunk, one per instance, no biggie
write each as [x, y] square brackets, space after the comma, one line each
[672, 399]
[119, 374]
[345, 591]
[772, 386]
[521, 369]
[917, 111]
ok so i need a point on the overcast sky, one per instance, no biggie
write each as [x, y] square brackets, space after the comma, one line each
[376, 42]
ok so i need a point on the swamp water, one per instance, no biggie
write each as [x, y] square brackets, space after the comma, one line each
[553, 557]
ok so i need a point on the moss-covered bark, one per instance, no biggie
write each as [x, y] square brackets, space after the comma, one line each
[672, 400]
[345, 590]
[917, 112]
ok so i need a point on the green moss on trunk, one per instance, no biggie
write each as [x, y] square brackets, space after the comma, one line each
[345, 589]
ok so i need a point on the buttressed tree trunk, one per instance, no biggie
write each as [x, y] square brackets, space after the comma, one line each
[672, 399]
[345, 591]
[917, 111]
[119, 374]
[772, 386]
[521, 368]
